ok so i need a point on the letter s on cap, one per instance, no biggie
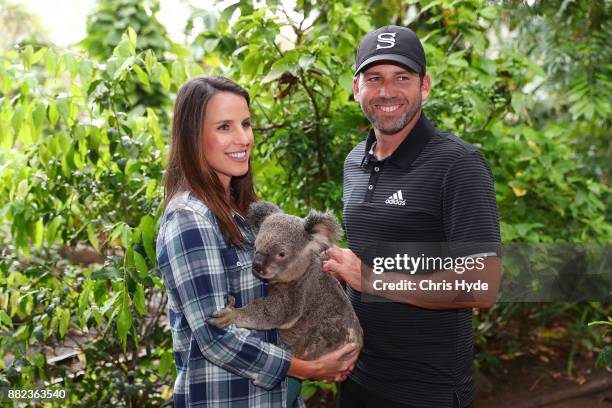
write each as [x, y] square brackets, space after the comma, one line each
[388, 40]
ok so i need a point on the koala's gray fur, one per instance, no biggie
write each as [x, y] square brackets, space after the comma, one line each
[307, 306]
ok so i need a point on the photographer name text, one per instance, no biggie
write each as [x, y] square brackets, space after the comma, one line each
[429, 285]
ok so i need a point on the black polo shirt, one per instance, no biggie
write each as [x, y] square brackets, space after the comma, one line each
[434, 188]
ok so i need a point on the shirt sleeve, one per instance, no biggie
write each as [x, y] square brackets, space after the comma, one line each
[469, 209]
[198, 286]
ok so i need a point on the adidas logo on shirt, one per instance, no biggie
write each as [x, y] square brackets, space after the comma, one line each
[396, 199]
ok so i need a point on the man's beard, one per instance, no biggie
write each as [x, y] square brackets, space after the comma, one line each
[391, 127]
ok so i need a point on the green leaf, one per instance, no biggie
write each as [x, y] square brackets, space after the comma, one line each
[165, 362]
[147, 225]
[71, 63]
[51, 61]
[107, 272]
[150, 190]
[276, 70]
[53, 113]
[132, 36]
[126, 236]
[39, 232]
[139, 300]
[6, 319]
[346, 81]
[26, 57]
[125, 66]
[25, 134]
[142, 76]
[141, 264]
[164, 77]
[124, 48]
[64, 321]
[306, 61]
[97, 316]
[124, 318]
[178, 73]
[84, 300]
[63, 107]
[519, 102]
[606, 355]
[39, 360]
[158, 282]
[22, 189]
[309, 389]
[38, 55]
[150, 61]
[251, 63]
[489, 12]
[39, 113]
[52, 228]
[456, 59]
[17, 118]
[92, 236]
[363, 23]
[85, 72]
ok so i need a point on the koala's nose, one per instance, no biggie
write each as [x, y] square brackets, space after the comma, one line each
[258, 262]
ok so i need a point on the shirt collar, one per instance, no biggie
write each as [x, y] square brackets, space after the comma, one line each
[409, 149]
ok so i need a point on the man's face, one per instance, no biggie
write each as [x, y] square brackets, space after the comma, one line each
[390, 96]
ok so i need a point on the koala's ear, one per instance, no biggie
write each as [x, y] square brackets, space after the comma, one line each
[258, 211]
[324, 225]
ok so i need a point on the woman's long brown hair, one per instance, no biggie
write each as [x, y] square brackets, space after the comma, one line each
[187, 168]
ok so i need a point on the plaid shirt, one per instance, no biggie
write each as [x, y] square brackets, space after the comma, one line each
[232, 367]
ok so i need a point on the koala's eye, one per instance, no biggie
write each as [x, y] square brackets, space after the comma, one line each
[281, 254]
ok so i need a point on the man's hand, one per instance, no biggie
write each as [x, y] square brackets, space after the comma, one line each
[344, 265]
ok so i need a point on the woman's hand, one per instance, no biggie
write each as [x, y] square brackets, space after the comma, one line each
[333, 366]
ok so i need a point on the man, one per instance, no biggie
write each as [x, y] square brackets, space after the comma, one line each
[411, 183]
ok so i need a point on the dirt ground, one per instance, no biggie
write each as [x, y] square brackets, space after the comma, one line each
[526, 378]
[521, 380]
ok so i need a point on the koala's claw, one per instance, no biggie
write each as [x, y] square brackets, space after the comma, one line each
[230, 301]
[224, 317]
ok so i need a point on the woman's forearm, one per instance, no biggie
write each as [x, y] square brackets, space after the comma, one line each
[303, 369]
[333, 366]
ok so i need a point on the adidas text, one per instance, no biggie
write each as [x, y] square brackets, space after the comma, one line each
[396, 199]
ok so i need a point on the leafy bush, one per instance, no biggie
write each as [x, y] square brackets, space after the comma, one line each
[83, 146]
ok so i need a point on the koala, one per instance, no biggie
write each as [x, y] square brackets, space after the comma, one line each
[307, 305]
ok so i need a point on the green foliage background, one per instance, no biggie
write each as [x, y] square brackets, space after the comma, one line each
[84, 136]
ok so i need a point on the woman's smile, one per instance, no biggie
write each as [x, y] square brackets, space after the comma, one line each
[240, 156]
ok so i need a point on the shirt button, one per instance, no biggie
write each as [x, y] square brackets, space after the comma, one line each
[370, 187]
[376, 169]
[238, 263]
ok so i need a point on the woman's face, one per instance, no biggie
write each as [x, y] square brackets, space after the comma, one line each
[227, 136]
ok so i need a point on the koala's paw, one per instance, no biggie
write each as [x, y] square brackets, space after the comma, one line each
[224, 317]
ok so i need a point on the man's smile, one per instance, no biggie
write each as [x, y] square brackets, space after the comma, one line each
[388, 108]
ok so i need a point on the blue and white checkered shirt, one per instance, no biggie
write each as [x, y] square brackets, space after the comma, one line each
[232, 367]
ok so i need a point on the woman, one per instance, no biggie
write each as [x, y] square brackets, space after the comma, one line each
[204, 250]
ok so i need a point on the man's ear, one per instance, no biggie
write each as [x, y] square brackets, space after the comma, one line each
[425, 87]
[323, 226]
[258, 211]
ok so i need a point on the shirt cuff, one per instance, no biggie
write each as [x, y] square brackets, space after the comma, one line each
[474, 249]
[274, 367]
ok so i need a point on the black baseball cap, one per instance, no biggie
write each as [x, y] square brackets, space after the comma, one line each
[393, 44]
